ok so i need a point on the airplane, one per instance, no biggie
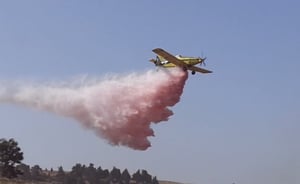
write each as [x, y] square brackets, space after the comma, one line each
[165, 59]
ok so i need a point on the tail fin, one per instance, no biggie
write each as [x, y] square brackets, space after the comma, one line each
[152, 60]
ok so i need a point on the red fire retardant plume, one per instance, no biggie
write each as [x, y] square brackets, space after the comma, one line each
[119, 109]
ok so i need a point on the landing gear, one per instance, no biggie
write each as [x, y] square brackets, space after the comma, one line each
[193, 72]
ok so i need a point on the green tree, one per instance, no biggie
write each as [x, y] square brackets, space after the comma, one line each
[77, 174]
[25, 169]
[125, 177]
[115, 175]
[60, 176]
[146, 178]
[37, 172]
[90, 174]
[10, 157]
[137, 177]
[103, 175]
[155, 181]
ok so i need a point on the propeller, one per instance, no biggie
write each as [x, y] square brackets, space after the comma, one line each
[203, 60]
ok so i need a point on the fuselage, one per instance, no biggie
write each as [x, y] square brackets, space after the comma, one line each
[191, 61]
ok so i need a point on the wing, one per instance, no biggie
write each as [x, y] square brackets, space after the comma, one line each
[197, 69]
[169, 57]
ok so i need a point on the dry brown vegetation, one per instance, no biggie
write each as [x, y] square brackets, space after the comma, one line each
[16, 181]
[168, 182]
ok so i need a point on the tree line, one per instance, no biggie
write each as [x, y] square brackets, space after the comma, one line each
[11, 166]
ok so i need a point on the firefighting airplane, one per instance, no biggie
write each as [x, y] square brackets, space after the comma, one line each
[165, 59]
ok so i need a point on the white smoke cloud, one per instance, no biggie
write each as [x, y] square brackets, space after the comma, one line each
[119, 109]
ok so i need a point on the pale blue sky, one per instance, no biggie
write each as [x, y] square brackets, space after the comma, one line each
[239, 124]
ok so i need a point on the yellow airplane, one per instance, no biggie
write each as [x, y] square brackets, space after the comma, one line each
[167, 60]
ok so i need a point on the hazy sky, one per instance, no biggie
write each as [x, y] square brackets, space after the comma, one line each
[239, 124]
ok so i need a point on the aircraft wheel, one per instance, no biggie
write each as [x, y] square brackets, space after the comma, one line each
[193, 72]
